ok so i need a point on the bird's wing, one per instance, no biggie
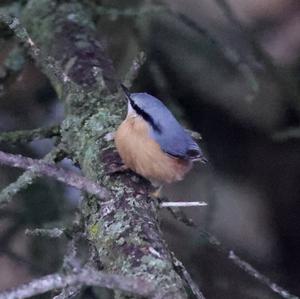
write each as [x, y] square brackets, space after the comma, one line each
[179, 144]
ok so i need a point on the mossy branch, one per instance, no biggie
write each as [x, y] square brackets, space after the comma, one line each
[42, 168]
[124, 230]
[28, 177]
[87, 277]
[24, 136]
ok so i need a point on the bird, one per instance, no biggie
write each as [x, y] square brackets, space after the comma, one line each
[152, 143]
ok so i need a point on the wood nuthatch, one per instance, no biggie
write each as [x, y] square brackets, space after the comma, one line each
[152, 143]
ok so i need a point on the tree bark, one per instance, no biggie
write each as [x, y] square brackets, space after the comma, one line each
[125, 229]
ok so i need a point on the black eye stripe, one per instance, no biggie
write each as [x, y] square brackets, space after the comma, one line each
[145, 116]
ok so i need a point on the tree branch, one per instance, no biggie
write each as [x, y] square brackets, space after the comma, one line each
[23, 136]
[86, 277]
[134, 69]
[28, 177]
[71, 263]
[65, 176]
[259, 276]
[239, 262]
[43, 232]
[21, 33]
[125, 228]
[187, 277]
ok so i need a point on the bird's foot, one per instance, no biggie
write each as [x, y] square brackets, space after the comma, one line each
[157, 195]
[116, 168]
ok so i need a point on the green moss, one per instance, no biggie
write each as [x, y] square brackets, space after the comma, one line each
[94, 231]
[152, 261]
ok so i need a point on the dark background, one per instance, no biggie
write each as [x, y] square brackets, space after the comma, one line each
[232, 75]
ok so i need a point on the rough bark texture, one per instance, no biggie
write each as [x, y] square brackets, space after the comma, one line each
[125, 229]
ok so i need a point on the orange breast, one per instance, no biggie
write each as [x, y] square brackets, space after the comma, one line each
[144, 156]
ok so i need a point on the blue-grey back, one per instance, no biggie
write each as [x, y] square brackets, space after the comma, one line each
[167, 132]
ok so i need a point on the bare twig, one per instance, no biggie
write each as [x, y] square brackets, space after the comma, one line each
[43, 232]
[87, 277]
[28, 177]
[14, 24]
[180, 216]
[187, 277]
[243, 265]
[49, 64]
[42, 168]
[260, 277]
[183, 204]
[24, 136]
[71, 263]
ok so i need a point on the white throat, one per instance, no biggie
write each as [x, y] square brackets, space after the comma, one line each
[130, 111]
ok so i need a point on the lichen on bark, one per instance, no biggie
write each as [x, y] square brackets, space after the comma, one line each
[125, 229]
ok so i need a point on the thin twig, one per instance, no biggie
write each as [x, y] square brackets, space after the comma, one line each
[182, 204]
[28, 177]
[65, 176]
[71, 263]
[180, 216]
[187, 277]
[260, 277]
[243, 265]
[43, 232]
[180, 269]
[48, 63]
[86, 277]
[14, 24]
[23, 136]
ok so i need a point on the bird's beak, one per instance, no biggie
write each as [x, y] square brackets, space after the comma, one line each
[126, 91]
